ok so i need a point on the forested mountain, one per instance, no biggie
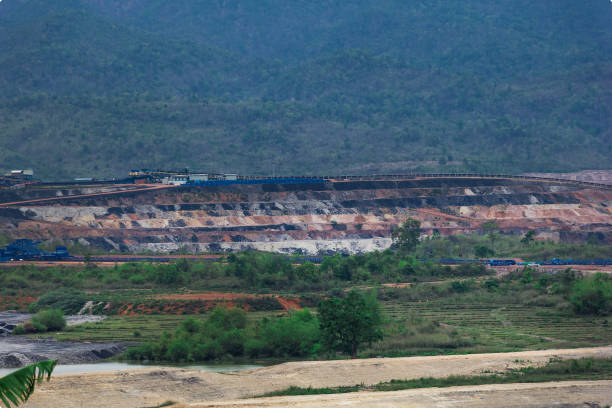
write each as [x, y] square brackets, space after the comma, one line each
[95, 87]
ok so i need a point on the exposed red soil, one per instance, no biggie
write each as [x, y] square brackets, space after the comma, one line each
[289, 304]
[18, 303]
[197, 303]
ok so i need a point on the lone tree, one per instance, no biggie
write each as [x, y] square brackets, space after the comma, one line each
[347, 323]
[529, 237]
[406, 237]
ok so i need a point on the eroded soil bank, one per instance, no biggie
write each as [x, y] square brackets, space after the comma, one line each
[150, 387]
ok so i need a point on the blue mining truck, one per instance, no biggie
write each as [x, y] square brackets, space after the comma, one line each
[26, 250]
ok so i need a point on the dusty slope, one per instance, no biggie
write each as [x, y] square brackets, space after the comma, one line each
[148, 387]
[592, 394]
[348, 216]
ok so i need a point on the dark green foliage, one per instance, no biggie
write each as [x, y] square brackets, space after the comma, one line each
[53, 319]
[482, 251]
[507, 246]
[461, 286]
[264, 303]
[347, 323]
[178, 351]
[406, 237]
[370, 85]
[68, 301]
[273, 272]
[225, 335]
[294, 336]
[43, 321]
[293, 390]
[592, 295]
[528, 238]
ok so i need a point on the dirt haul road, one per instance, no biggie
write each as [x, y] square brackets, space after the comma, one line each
[149, 387]
[558, 394]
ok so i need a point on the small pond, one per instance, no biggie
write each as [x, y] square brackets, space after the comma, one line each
[114, 366]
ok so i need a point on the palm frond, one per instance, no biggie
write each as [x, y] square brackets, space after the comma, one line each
[17, 386]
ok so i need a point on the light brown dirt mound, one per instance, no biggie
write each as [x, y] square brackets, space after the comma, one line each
[566, 394]
[149, 387]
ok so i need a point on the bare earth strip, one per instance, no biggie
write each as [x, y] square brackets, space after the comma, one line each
[557, 394]
[149, 387]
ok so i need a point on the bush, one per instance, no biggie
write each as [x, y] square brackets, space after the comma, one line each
[52, 320]
[67, 300]
[492, 284]
[224, 334]
[232, 342]
[461, 286]
[295, 335]
[210, 350]
[592, 295]
[178, 351]
[263, 303]
[137, 279]
[255, 348]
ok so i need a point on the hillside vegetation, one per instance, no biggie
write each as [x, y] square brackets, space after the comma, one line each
[95, 87]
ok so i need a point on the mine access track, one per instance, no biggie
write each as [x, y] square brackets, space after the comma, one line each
[331, 179]
[68, 197]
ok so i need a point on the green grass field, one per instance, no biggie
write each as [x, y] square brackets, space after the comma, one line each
[471, 325]
[439, 326]
[123, 328]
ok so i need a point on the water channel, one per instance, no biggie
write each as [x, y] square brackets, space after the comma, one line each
[119, 366]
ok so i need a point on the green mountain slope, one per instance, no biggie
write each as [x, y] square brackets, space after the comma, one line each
[95, 87]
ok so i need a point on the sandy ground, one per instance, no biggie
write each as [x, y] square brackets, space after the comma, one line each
[149, 387]
[560, 394]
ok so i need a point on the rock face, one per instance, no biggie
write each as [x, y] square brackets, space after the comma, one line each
[311, 218]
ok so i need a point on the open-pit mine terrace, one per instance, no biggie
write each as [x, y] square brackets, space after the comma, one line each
[312, 218]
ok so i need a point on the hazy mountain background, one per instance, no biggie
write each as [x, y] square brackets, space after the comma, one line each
[96, 87]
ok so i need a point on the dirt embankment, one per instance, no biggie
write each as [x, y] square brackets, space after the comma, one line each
[149, 387]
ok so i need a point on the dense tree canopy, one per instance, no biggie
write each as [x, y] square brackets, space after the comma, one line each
[406, 237]
[94, 88]
[347, 323]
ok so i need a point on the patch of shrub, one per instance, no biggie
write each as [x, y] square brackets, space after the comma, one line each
[461, 286]
[67, 300]
[52, 319]
[263, 303]
[224, 334]
[43, 321]
[592, 295]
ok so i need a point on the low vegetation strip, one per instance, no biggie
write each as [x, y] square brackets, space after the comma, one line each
[555, 370]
